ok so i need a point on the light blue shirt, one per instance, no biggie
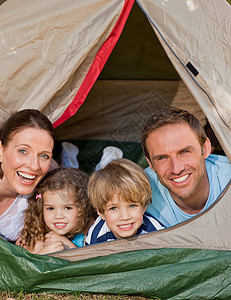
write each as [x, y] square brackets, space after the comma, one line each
[78, 240]
[163, 207]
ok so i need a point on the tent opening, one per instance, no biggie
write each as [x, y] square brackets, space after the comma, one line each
[137, 80]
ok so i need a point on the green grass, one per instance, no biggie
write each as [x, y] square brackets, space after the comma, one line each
[76, 296]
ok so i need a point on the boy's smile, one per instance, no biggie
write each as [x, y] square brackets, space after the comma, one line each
[123, 218]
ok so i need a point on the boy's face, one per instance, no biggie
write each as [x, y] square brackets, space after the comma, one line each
[123, 218]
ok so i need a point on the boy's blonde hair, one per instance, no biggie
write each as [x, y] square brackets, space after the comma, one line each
[122, 177]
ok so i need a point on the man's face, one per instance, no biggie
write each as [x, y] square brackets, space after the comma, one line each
[179, 160]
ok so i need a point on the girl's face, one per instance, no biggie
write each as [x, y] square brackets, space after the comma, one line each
[60, 211]
[25, 160]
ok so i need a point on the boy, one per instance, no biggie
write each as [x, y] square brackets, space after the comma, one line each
[120, 192]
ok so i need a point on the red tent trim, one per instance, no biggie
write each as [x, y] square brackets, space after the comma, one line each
[97, 65]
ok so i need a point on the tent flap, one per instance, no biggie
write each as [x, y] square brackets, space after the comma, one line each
[155, 273]
[50, 56]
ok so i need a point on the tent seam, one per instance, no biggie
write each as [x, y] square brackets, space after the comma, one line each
[183, 65]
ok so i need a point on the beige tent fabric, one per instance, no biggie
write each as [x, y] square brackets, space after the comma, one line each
[209, 230]
[47, 48]
[105, 108]
[199, 32]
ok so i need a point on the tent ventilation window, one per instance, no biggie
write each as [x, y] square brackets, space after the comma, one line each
[192, 69]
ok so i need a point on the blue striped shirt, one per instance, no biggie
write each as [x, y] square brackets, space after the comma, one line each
[99, 231]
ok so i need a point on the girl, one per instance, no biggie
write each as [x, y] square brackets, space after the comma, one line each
[59, 214]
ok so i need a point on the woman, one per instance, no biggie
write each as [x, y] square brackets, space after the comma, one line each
[26, 145]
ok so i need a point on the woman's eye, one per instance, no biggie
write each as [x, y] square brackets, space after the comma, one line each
[23, 151]
[45, 156]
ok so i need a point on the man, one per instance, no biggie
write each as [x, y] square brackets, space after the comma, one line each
[185, 178]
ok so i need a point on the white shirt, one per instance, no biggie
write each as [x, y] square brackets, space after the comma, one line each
[12, 220]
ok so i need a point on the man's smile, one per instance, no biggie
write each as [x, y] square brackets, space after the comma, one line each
[181, 179]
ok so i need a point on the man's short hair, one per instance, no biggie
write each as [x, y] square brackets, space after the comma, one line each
[122, 177]
[169, 116]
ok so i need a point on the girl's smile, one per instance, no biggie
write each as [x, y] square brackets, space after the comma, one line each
[60, 211]
[60, 225]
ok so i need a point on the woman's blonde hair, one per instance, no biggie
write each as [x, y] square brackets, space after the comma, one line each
[122, 177]
[74, 181]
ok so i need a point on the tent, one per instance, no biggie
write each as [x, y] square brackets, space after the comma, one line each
[52, 54]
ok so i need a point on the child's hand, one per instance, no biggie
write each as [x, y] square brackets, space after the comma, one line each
[52, 247]
[52, 237]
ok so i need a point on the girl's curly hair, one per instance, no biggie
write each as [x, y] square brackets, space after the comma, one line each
[73, 180]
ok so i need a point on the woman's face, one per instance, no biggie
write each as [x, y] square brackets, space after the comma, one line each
[25, 160]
